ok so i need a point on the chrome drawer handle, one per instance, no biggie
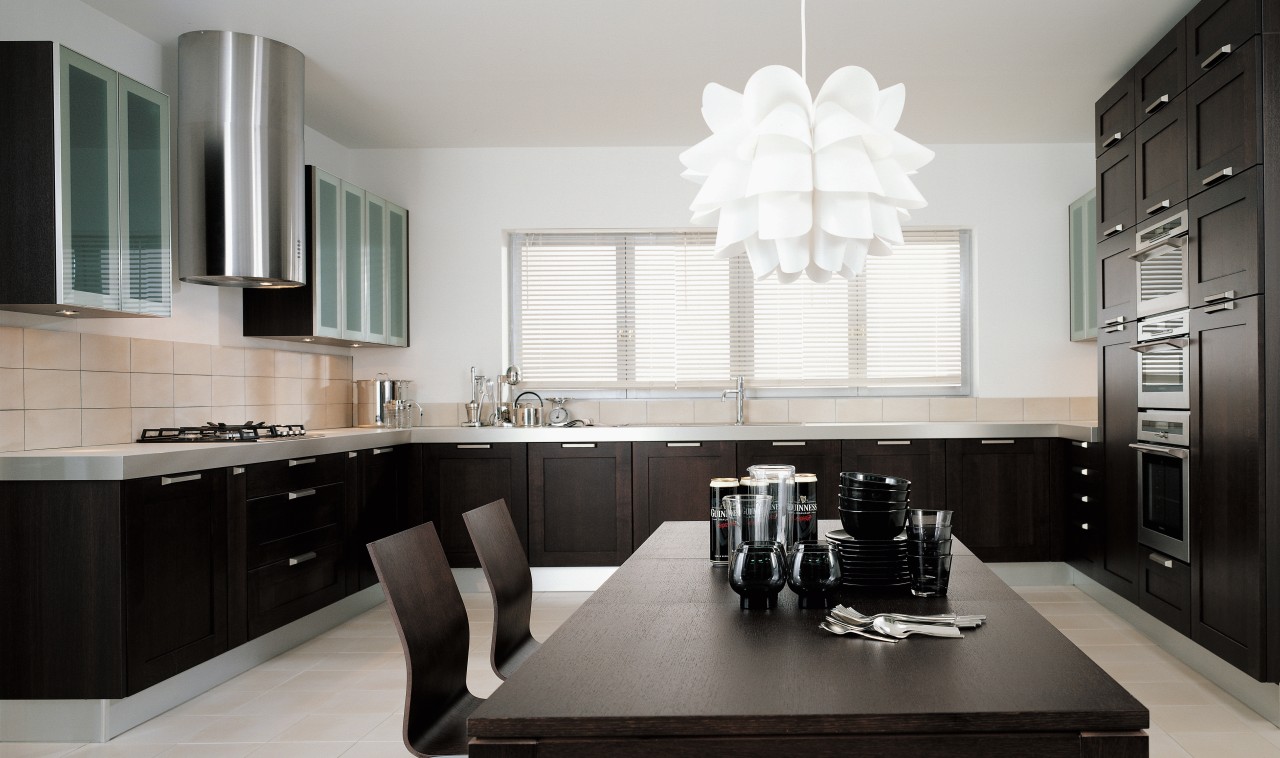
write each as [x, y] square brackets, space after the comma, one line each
[1113, 329]
[1085, 526]
[473, 447]
[353, 454]
[1077, 443]
[1216, 177]
[1158, 207]
[296, 494]
[295, 560]
[577, 444]
[237, 470]
[1082, 471]
[381, 450]
[1084, 498]
[1230, 305]
[1177, 343]
[1228, 295]
[788, 443]
[164, 480]
[684, 444]
[1157, 104]
[1163, 560]
[1113, 139]
[301, 461]
[1216, 57]
[997, 442]
[1113, 230]
[893, 442]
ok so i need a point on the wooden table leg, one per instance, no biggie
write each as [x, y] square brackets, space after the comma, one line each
[1113, 745]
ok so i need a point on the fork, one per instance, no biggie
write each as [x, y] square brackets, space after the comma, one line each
[851, 616]
[902, 629]
[835, 627]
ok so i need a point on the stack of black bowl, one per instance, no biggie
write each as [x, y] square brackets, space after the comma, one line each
[872, 546]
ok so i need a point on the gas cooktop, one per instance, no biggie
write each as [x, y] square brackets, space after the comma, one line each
[249, 431]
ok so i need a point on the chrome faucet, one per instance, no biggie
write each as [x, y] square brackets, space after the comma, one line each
[740, 393]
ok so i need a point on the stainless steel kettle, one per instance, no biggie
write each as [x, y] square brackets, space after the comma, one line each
[372, 396]
[528, 415]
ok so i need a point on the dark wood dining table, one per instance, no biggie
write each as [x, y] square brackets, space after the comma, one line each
[661, 661]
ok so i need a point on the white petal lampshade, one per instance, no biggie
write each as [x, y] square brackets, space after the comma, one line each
[805, 185]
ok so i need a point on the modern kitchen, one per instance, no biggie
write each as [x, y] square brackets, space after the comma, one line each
[287, 283]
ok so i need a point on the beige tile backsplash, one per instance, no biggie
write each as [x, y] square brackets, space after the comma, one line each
[66, 389]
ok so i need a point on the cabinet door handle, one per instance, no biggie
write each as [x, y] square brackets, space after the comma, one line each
[473, 447]
[1228, 295]
[997, 442]
[577, 444]
[179, 479]
[296, 494]
[1217, 176]
[684, 444]
[301, 461]
[353, 454]
[1156, 346]
[1163, 204]
[1163, 560]
[1113, 139]
[1230, 305]
[893, 442]
[381, 450]
[237, 470]
[1084, 498]
[788, 443]
[1077, 443]
[1115, 328]
[1216, 57]
[1113, 230]
[1157, 104]
[1085, 526]
[1082, 471]
[295, 560]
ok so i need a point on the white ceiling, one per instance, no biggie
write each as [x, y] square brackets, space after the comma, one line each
[481, 73]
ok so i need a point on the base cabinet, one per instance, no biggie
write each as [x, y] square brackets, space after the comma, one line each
[924, 462]
[460, 477]
[1165, 590]
[1117, 522]
[999, 490]
[670, 479]
[377, 509]
[579, 503]
[1080, 469]
[820, 457]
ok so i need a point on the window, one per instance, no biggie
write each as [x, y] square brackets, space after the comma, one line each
[656, 311]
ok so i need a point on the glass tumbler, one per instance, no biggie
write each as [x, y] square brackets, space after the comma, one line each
[757, 573]
[750, 520]
[779, 482]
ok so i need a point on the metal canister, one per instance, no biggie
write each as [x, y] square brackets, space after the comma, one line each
[804, 510]
[720, 547]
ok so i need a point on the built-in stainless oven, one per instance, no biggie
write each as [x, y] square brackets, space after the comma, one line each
[1160, 253]
[1164, 361]
[1164, 482]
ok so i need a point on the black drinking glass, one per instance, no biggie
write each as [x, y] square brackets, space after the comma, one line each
[813, 573]
[930, 576]
[757, 574]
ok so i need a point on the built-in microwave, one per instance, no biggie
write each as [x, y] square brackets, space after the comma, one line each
[1160, 254]
[1164, 361]
[1164, 482]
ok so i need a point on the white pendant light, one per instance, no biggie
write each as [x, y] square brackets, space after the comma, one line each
[805, 185]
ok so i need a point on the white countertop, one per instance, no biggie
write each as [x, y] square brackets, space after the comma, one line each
[135, 460]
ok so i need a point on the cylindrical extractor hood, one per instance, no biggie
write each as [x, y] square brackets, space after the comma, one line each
[241, 216]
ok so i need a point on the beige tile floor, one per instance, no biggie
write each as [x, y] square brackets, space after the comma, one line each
[341, 694]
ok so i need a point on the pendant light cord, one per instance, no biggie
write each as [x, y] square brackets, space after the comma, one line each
[804, 45]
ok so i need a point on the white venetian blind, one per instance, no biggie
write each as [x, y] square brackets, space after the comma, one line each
[657, 310]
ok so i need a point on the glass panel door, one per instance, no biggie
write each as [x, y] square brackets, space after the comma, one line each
[353, 263]
[397, 275]
[326, 216]
[145, 249]
[376, 229]
[90, 186]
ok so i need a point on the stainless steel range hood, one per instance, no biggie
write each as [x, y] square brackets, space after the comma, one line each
[241, 216]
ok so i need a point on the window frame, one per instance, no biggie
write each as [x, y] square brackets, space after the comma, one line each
[511, 312]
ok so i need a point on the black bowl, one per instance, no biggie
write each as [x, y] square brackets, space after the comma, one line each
[858, 504]
[872, 493]
[881, 481]
[873, 525]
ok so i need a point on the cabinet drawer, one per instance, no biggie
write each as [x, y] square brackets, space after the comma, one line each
[1166, 590]
[1117, 281]
[1113, 114]
[293, 522]
[1222, 120]
[1162, 160]
[1217, 29]
[1224, 256]
[1161, 75]
[1117, 188]
[291, 588]
[295, 473]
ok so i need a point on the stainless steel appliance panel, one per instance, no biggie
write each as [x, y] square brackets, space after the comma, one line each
[1164, 361]
[1160, 254]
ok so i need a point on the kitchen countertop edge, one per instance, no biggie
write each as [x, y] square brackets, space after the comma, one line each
[136, 460]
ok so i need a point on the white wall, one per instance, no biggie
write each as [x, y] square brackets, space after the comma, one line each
[461, 201]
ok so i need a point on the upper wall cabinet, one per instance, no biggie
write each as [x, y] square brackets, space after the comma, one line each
[85, 227]
[358, 263]
[1161, 74]
[1113, 114]
[1217, 29]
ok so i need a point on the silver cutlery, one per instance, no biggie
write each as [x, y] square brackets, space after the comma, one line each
[836, 628]
[901, 629]
[851, 616]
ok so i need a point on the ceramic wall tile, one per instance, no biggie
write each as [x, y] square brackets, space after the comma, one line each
[233, 414]
[811, 409]
[227, 390]
[106, 426]
[50, 388]
[313, 391]
[104, 389]
[150, 356]
[226, 361]
[150, 418]
[669, 412]
[580, 409]
[11, 381]
[338, 416]
[951, 409]
[259, 362]
[1084, 409]
[52, 428]
[765, 411]
[313, 365]
[615, 412]
[10, 347]
[288, 364]
[906, 409]
[192, 391]
[265, 413]
[195, 415]
[191, 358]
[340, 367]
[339, 391]
[103, 352]
[1046, 408]
[437, 414]
[999, 409]
[708, 411]
[12, 431]
[42, 348]
[289, 414]
[859, 410]
[259, 390]
[288, 390]
[151, 390]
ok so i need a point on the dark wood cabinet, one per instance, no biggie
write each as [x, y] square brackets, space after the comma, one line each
[1080, 468]
[1160, 75]
[1228, 545]
[1113, 115]
[1223, 125]
[1117, 191]
[1116, 281]
[1164, 590]
[459, 477]
[819, 457]
[1216, 30]
[1224, 255]
[670, 481]
[377, 509]
[924, 462]
[1118, 512]
[1162, 160]
[579, 503]
[999, 490]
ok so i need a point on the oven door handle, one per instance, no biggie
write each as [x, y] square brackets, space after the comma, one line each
[1171, 452]
[1176, 242]
[1151, 347]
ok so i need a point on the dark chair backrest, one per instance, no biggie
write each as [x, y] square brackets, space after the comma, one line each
[507, 570]
[432, 623]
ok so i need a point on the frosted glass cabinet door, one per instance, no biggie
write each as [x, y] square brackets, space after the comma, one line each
[397, 275]
[145, 262]
[88, 95]
[354, 325]
[376, 229]
[326, 235]
[1083, 254]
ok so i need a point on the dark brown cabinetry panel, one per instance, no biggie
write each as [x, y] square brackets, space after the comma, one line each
[670, 481]
[1227, 485]
[1117, 191]
[1116, 280]
[1000, 492]
[1161, 75]
[1081, 468]
[1118, 414]
[1217, 24]
[1162, 160]
[924, 462]
[1224, 256]
[287, 590]
[377, 509]
[819, 457]
[175, 574]
[579, 503]
[457, 478]
[1165, 590]
[1223, 127]
[1113, 115]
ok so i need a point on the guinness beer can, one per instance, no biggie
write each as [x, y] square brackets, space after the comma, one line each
[804, 510]
[720, 547]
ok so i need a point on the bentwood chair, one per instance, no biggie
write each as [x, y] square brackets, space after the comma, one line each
[434, 633]
[507, 570]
